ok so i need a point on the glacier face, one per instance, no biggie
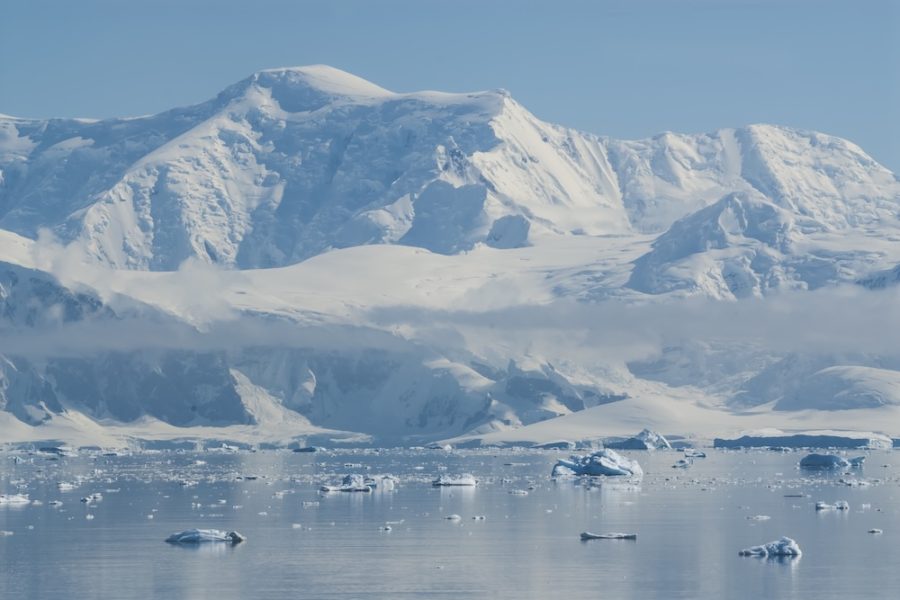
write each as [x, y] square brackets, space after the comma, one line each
[369, 251]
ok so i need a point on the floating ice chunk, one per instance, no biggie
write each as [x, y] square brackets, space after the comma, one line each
[839, 505]
[200, 536]
[587, 535]
[645, 440]
[449, 480]
[65, 486]
[14, 499]
[92, 498]
[453, 517]
[694, 453]
[830, 461]
[479, 518]
[759, 518]
[386, 528]
[682, 463]
[55, 503]
[783, 547]
[876, 531]
[350, 483]
[5, 533]
[603, 462]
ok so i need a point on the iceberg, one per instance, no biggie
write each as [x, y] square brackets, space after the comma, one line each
[202, 536]
[449, 480]
[604, 462]
[587, 535]
[13, 499]
[694, 453]
[645, 440]
[350, 483]
[830, 461]
[810, 439]
[783, 547]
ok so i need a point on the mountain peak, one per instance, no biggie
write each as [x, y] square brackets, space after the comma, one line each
[323, 78]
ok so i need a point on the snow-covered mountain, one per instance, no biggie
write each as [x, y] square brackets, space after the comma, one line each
[425, 265]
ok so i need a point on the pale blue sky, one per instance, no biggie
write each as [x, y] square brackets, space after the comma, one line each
[626, 68]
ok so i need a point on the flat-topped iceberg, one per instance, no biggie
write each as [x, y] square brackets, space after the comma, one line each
[807, 439]
[645, 440]
[202, 536]
[783, 547]
[587, 535]
[604, 462]
[830, 461]
[14, 499]
[454, 480]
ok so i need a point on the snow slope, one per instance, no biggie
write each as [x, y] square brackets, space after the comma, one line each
[310, 254]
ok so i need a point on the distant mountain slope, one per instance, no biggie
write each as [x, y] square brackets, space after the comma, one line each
[426, 265]
[291, 162]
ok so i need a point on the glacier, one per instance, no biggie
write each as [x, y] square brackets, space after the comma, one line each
[311, 258]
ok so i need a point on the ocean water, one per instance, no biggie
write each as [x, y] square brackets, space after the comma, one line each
[690, 525]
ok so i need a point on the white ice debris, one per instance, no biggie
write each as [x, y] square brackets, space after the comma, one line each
[645, 440]
[587, 535]
[839, 505]
[682, 463]
[459, 480]
[783, 547]
[200, 536]
[14, 499]
[350, 483]
[604, 462]
[830, 461]
[453, 517]
[694, 453]
[876, 531]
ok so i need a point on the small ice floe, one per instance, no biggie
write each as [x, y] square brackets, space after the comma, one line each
[89, 517]
[759, 518]
[453, 518]
[92, 498]
[14, 499]
[783, 547]
[601, 463]
[682, 463]
[37, 503]
[830, 461]
[587, 535]
[202, 536]
[694, 453]
[875, 531]
[309, 503]
[385, 528]
[350, 483]
[296, 526]
[55, 503]
[479, 518]
[518, 492]
[65, 486]
[839, 505]
[464, 480]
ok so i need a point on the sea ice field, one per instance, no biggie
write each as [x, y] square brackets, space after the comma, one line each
[95, 526]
